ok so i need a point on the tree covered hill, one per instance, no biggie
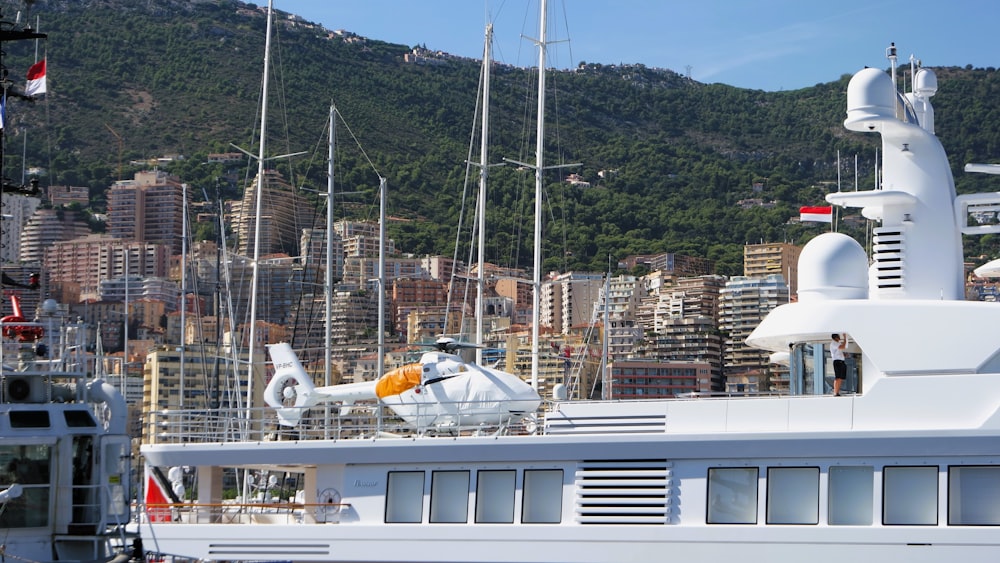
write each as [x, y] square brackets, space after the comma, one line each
[183, 77]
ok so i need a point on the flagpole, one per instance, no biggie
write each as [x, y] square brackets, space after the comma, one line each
[836, 212]
[24, 149]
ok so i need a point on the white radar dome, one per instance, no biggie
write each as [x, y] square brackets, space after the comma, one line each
[870, 99]
[833, 266]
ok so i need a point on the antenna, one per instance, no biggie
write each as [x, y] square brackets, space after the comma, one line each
[890, 53]
[121, 143]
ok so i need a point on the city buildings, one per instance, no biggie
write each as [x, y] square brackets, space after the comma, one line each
[664, 325]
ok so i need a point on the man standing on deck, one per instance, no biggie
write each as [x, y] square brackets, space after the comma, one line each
[837, 346]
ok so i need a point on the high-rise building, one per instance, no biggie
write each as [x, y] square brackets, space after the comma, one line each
[762, 260]
[689, 339]
[279, 286]
[47, 226]
[85, 262]
[162, 385]
[148, 208]
[282, 217]
[568, 299]
[744, 303]
[697, 296]
[518, 290]
[17, 210]
[313, 245]
[410, 294]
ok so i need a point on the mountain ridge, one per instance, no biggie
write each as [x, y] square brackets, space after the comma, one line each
[174, 77]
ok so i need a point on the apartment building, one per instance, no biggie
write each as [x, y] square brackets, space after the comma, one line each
[569, 299]
[17, 210]
[46, 227]
[656, 379]
[762, 260]
[688, 339]
[163, 384]
[415, 294]
[85, 262]
[148, 208]
[744, 302]
[283, 215]
[677, 265]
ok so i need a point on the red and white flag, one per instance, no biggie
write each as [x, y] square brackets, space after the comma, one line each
[817, 214]
[36, 79]
[157, 502]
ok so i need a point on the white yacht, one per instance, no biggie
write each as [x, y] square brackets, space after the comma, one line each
[903, 467]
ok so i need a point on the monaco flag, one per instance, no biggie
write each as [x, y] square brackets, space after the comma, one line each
[817, 214]
[36, 79]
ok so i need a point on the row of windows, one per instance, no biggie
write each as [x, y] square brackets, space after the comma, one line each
[654, 373]
[493, 503]
[909, 495]
[658, 381]
[622, 392]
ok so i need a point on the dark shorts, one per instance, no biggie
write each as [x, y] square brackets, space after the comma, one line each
[840, 369]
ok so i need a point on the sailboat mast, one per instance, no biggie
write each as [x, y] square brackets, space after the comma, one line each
[328, 338]
[383, 196]
[258, 199]
[536, 288]
[483, 173]
[184, 251]
[605, 374]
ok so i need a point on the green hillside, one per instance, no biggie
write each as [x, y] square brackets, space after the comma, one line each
[183, 77]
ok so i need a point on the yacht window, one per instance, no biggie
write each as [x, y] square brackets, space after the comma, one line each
[449, 497]
[495, 496]
[732, 495]
[851, 495]
[79, 419]
[974, 496]
[29, 419]
[28, 466]
[793, 495]
[404, 497]
[909, 495]
[541, 501]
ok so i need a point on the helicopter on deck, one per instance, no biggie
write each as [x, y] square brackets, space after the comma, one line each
[440, 391]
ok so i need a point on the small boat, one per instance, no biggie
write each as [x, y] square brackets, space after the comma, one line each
[903, 466]
[65, 454]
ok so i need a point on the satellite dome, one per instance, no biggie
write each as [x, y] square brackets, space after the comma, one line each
[870, 99]
[833, 266]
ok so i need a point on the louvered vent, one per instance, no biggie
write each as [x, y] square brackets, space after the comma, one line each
[624, 492]
[888, 254]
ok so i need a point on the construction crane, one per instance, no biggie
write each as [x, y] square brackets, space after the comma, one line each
[121, 143]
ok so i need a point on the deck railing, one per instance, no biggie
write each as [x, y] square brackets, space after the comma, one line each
[242, 513]
[369, 421]
[323, 423]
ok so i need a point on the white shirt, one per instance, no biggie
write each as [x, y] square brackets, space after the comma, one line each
[836, 352]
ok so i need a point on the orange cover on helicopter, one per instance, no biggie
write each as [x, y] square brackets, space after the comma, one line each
[398, 380]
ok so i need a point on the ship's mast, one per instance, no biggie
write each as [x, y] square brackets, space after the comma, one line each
[483, 174]
[536, 283]
[258, 211]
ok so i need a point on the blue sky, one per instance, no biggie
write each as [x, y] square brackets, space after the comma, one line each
[762, 44]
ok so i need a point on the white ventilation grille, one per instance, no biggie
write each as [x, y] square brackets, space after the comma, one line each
[634, 424]
[888, 253]
[624, 492]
